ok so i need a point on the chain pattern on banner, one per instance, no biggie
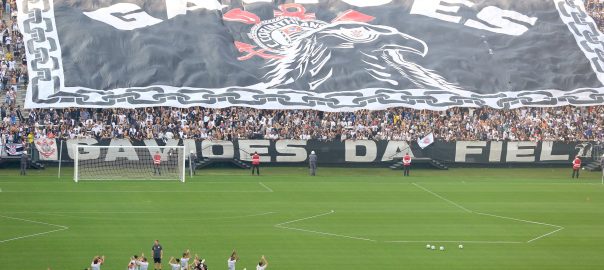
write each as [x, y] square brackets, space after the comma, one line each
[39, 47]
[590, 39]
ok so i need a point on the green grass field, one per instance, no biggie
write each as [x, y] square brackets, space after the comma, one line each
[341, 219]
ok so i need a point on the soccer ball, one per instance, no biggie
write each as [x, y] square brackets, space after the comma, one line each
[432, 247]
[460, 246]
[428, 246]
[442, 248]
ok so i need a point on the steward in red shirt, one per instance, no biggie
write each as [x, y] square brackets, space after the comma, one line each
[156, 163]
[256, 163]
[406, 164]
[576, 167]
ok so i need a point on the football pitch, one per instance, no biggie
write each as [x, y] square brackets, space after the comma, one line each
[352, 218]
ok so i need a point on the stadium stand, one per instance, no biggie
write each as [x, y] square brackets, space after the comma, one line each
[526, 124]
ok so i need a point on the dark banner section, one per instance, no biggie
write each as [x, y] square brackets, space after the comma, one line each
[355, 152]
[332, 55]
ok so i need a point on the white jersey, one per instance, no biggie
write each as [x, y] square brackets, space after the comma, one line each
[261, 267]
[95, 266]
[142, 265]
[184, 263]
[175, 266]
[231, 264]
[132, 265]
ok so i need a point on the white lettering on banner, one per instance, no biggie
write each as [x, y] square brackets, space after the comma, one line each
[304, 1]
[396, 149]
[162, 151]
[521, 152]
[358, 3]
[128, 16]
[181, 7]
[121, 16]
[495, 153]
[114, 153]
[546, 153]
[351, 151]
[89, 153]
[256, 1]
[502, 21]
[248, 147]
[296, 150]
[435, 9]
[207, 149]
[463, 149]
[190, 147]
[367, 3]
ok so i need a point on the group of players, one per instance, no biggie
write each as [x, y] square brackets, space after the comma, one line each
[141, 263]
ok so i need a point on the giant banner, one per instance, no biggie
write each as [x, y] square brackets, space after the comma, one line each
[348, 153]
[332, 55]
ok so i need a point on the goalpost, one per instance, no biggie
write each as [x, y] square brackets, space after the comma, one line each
[93, 162]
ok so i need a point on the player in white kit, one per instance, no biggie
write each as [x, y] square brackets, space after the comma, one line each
[184, 261]
[132, 264]
[97, 262]
[142, 264]
[174, 263]
[263, 264]
[232, 260]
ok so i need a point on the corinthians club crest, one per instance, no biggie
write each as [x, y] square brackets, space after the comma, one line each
[302, 52]
[47, 148]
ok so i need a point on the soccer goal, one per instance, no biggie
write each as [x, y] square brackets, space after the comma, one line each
[129, 163]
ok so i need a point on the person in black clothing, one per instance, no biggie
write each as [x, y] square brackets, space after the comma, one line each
[158, 252]
[193, 161]
[23, 163]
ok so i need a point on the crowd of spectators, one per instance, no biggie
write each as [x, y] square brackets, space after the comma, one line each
[13, 71]
[595, 8]
[525, 124]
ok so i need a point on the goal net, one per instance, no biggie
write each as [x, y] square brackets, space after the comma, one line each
[129, 163]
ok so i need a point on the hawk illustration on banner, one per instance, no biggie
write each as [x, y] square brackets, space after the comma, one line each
[331, 55]
[301, 46]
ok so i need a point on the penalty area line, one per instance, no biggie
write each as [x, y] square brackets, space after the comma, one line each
[461, 242]
[443, 198]
[558, 228]
[265, 187]
[547, 234]
[281, 226]
[61, 228]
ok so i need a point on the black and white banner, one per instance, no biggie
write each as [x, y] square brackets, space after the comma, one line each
[13, 149]
[350, 152]
[332, 55]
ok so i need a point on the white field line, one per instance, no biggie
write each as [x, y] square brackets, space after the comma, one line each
[265, 187]
[444, 199]
[460, 242]
[547, 234]
[301, 219]
[280, 225]
[558, 228]
[324, 233]
[516, 219]
[61, 228]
